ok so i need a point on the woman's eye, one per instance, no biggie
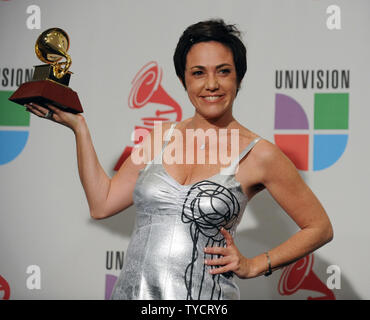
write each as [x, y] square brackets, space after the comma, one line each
[197, 73]
[225, 71]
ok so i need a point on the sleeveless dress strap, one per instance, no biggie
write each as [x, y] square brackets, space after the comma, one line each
[167, 139]
[158, 158]
[169, 134]
[232, 167]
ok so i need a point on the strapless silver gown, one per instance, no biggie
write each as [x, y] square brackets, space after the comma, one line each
[174, 222]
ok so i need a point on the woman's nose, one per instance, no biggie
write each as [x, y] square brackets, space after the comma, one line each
[211, 83]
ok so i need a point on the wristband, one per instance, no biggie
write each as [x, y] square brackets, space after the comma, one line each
[269, 271]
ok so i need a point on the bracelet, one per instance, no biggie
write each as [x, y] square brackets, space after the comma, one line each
[269, 271]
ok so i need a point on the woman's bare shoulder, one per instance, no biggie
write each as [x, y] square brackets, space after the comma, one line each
[246, 136]
[267, 152]
[264, 152]
[271, 162]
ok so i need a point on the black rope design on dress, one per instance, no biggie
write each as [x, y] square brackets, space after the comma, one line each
[202, 196]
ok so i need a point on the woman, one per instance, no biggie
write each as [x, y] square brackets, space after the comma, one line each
[182, 246]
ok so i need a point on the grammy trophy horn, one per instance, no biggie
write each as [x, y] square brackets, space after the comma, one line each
[52, 46]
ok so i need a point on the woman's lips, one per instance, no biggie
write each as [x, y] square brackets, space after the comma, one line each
[212, 99]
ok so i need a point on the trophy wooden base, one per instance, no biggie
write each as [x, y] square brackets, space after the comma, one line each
[46, 91]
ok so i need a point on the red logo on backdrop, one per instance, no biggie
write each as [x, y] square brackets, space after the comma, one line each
[4, 289]
[146, 88]
[300, 276]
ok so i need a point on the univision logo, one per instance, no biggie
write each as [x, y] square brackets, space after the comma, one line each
[14, 120]
[321, 147]
[14, 125]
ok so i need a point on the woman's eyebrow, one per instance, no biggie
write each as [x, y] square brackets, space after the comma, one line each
[217, 67]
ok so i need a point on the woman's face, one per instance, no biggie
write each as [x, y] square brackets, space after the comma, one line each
[210, 78]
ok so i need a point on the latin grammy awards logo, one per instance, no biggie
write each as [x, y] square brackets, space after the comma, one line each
[147, 90]
[300, 276]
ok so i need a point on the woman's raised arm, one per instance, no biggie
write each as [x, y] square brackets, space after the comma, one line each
[105, 196]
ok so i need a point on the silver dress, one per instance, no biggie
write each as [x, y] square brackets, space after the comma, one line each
[174, 223]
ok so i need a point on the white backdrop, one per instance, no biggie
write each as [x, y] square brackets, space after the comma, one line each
[44, 218]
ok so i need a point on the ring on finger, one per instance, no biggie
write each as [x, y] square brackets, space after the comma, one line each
[49, 114]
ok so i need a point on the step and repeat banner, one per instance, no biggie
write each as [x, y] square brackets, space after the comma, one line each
[306, 90]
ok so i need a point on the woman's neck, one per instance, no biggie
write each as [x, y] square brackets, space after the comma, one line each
[199, 122]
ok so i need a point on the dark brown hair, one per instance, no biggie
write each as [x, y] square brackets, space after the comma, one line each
[211, 30]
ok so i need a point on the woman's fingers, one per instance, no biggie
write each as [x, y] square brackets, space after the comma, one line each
[36, 110]
[231, 258]
[229, 239]
[216, 250]
[223, 269]
[217, 262]
[42, 111]
[57, 114]
[70, 120]
[221, 250]
[54, 109]
[224, 264]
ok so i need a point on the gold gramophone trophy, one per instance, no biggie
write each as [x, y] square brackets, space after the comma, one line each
[50, 81]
